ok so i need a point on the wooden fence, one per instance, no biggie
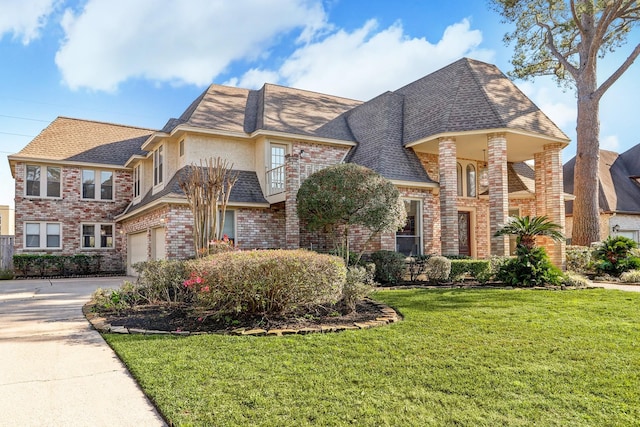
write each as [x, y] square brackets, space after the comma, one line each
[6, 252]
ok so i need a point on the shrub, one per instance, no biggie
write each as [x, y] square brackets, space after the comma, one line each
[438, 268]
[476, 269]
[162, 281]
[578, 258]
[575, 280]
[110, 300]
[224, 245]
[42, 265]
[6, 274]
[530, 267]
[417, 266]
[390, 266]
[358, 285]
[631, 276]
[265, 283]
[615, 256]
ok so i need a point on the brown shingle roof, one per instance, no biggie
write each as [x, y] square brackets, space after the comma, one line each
[275, 108]
[619, 191]
[86, 141]
[469, 95]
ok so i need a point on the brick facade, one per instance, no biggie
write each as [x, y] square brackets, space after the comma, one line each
[70, 210]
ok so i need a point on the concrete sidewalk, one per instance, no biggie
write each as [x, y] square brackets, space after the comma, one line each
[54, 369]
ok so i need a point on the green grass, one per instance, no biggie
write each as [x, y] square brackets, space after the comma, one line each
[460, 357]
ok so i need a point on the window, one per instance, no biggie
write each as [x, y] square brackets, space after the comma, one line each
[471, 180]
[276, 172]
[97, 235]
[408, 240]
[158, 161]
[89, 183]
[181, 147]
[136, 180]
[42, 235]
[41, 183]
[229, 225]
[459, 176]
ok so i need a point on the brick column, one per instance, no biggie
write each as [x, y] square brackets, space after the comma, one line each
[448, 196]
[498, 191]
[541, 186]
[553, 197]
[292, 184]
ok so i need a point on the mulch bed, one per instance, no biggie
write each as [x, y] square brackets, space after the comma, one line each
[181, 318]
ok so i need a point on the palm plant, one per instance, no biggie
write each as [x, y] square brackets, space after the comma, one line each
[527, 228]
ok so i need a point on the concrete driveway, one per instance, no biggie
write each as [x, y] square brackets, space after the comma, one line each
[54, 369]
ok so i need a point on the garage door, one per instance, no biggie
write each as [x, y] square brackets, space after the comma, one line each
[158, 248]
[137, 250]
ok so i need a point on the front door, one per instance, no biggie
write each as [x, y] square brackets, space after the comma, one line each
[464, 233]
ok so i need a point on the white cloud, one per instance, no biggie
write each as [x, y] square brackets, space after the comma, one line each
[24, 19]
[111, 41]
[558, 105]
[366, 62]
[610, 142]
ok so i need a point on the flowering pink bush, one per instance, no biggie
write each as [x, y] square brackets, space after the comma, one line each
[265, 282]
[224, 245]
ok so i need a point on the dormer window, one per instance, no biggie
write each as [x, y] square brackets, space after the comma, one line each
[158, 165]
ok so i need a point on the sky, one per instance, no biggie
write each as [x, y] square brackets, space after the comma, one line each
[142, 62]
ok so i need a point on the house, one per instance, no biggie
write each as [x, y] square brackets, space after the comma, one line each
[618, 193]
[455, 144]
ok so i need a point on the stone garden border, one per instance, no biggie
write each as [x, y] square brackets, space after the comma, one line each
[389, 315]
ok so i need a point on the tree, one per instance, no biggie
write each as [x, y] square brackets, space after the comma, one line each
[566, 39]
[526, 229]
[208, 188]
[340, 197]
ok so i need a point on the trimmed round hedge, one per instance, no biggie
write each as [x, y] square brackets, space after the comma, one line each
[269, 282]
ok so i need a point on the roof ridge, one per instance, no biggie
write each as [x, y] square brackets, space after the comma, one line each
[483, 90]
[450, 105]
[103, 123]
[309, 91]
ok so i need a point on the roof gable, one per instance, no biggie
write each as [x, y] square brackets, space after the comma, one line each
[86, 141]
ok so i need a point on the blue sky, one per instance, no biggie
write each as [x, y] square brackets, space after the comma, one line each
[142, 62]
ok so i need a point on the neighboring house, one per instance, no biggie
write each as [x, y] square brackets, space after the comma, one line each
[619, 193]
[6, 221]
[453, 142]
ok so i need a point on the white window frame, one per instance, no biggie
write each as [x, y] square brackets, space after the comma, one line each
[462, 167]
[137, 181]
[43, 181]
[158, 165]
[43, 229]
[97, 182]
[97, 235]
[181, 148]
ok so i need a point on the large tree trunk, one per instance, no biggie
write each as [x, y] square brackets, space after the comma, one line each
[586, 225]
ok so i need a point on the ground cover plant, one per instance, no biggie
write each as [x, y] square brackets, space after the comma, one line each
[460, 357]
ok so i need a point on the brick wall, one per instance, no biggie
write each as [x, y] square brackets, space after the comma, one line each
[71, 211]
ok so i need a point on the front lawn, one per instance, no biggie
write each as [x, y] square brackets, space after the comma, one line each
[460, 357]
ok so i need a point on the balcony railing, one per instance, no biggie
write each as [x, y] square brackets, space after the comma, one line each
[276, 180]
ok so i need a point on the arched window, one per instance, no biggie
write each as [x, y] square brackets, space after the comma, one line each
[471, 181]
[459, 178]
